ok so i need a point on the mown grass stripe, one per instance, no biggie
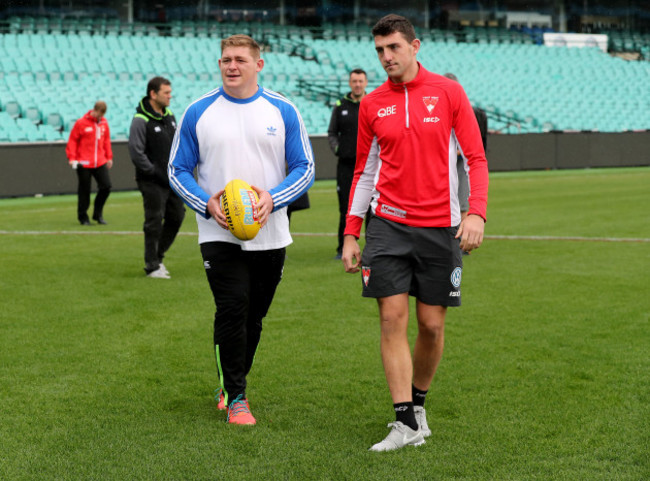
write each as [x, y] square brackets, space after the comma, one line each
[333, 234]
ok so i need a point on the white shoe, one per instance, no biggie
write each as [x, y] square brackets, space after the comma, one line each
[163, 268]
[421, 418]
[400, 436]
[159, 274]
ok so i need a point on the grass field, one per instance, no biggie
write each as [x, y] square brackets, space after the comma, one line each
[108, 375]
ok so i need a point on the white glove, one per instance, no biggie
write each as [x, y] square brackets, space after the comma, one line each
[74, 164]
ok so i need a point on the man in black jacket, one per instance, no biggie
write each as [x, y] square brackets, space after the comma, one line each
[150, 142]
[463, 181]
[342, 136]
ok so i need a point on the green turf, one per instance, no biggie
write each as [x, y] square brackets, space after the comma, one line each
[108, 375]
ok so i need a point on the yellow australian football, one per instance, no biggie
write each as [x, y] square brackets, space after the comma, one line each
[239, 205]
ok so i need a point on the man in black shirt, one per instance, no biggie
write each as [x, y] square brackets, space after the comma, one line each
[342, 136]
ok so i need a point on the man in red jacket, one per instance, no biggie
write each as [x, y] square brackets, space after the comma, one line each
[409, 130]
[89, 153]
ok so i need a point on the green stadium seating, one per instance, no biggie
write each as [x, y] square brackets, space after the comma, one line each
[524, 87]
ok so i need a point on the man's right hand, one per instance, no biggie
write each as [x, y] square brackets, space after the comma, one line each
[214, 209]
[351, 255]
[74, 164]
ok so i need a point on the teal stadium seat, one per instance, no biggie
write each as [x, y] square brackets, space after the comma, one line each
[49, 133]
[16, 135]
[55, 121]
[34, 115]
[13, 108]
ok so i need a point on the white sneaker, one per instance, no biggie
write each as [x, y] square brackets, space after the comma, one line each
[400, 436]
[163, 268]
[159, 274]
[421, 418]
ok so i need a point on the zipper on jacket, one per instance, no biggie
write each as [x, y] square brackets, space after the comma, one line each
[97, 134]
[406, 94]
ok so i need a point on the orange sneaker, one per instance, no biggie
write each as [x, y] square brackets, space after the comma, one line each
[220, 398]
[239, 412]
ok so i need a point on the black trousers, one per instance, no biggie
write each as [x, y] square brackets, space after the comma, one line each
[344, 174]
[163, 216]
[243, 284]
[83, 191]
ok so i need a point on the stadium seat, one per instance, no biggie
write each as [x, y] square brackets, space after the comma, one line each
[13, 108]
[48, 133]
[6, 119]
[55, 121]
[17, 136]
[33, 114]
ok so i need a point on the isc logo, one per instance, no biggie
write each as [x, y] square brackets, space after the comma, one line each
[387, 111]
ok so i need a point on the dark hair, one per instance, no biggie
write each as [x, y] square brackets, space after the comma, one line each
[358, 71]
[155, 84]
[394, 23]
[451, 76]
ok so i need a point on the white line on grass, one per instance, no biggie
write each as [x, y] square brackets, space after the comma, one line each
[566, 238]
[333, 234]
[76, 232]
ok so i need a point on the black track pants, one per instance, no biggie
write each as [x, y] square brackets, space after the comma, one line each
[83, 191]
[344, 175]
[243, 284]
[164, 212]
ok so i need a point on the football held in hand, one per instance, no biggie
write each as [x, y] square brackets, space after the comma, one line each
[239, 205]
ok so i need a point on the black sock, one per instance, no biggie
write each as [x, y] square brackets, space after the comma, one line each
[405, 414]
[418, 396]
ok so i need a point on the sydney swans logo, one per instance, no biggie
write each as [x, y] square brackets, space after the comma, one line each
[430, 103]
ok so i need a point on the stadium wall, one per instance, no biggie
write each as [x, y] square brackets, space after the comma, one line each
[42, 168]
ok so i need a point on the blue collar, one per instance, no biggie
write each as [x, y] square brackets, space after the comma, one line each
[259, 92]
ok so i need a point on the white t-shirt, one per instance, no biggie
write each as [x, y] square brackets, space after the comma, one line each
[261, 140]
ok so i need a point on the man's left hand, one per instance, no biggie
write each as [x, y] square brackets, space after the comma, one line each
[470, 232]
[264, 205]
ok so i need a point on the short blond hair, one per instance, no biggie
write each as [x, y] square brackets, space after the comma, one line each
[241, 40]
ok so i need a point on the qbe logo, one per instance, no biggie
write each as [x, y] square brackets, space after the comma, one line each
[387, 111]
[455, 277]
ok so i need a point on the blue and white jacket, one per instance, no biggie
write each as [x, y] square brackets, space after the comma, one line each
[261, 140]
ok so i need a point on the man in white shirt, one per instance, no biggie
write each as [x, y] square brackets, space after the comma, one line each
[241, 131]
